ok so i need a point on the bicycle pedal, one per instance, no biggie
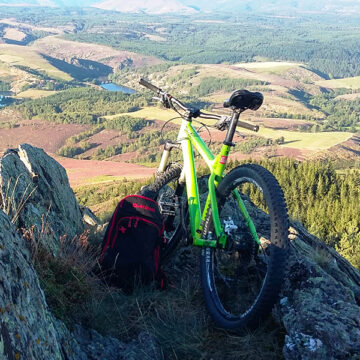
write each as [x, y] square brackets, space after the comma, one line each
[168, 204]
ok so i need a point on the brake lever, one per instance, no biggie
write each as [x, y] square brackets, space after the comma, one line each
[164, 100]
[223, 123]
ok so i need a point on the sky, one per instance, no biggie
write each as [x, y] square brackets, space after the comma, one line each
[282, 6]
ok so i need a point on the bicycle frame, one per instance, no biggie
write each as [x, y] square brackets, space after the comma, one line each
[189, 139]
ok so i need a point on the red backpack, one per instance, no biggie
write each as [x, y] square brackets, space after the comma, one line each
[132, 244]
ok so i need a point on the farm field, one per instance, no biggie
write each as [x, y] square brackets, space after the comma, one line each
[34, 94]
[47, 136]
[349, 83]
[293, 139]
[149, 113]
[273, 67]
[305, 140]
[88, 172]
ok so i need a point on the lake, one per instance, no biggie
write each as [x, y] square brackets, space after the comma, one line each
[114, 87]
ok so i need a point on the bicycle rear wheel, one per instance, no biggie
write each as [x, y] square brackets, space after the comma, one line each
[241, 283]
[168, 193]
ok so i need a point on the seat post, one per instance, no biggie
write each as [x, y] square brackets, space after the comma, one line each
[232, 127]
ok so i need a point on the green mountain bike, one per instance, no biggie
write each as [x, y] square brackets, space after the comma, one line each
[243, 255]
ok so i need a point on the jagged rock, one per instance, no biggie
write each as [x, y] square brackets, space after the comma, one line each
[89, 218]
[26, 327]
[35, 191]
[320, 302]
[33, 186]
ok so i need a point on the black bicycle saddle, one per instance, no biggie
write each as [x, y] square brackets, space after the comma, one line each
[244, 99]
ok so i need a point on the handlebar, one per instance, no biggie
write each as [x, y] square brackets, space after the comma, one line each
[248, 126]
[151, 87]
[168, 100]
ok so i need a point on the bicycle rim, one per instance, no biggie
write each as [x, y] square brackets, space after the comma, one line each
[241, 282]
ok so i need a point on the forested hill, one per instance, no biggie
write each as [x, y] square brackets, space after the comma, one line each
[328, 47]
[327, 43]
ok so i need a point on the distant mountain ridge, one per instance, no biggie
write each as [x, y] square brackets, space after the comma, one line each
[191, 6]
[134, 6]
[148, 6]
[277, 6]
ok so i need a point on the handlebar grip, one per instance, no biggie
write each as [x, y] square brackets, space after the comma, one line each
[149, 86]
[248, 126]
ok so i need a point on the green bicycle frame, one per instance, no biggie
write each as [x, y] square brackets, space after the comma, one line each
[190, 139]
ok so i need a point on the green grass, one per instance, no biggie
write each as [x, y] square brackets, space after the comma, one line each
[20, 55]
[274, 67]
[304, 140]
[34, 94]
[102, 179]
[149, 113]
[348, 83]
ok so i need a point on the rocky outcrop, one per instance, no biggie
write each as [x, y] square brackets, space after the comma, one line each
[35, 191]
[320, 303]
[26, 326]
[29, 331]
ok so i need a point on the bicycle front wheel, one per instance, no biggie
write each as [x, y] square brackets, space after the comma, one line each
[241, 283]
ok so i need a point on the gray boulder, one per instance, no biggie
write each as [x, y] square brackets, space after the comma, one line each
[320, 302]
[35, 191]
[29, 331]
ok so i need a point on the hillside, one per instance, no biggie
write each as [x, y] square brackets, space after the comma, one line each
[305, 115]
